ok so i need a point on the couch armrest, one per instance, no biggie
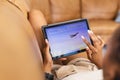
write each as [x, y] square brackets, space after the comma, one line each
[18, 46]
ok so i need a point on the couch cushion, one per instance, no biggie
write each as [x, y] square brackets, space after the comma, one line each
[65, 10]
[26, 5]
[23, 5]
[99, 9]
[119, 5]
[104, 28]
[44, 7]
[18, 46]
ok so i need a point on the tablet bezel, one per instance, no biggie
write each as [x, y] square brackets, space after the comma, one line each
[64, 23]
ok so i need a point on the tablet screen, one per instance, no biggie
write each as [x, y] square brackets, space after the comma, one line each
[65, 39]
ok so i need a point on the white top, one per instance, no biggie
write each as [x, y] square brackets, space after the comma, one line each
[91, 75]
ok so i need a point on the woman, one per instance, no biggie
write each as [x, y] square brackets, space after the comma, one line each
[112, 59]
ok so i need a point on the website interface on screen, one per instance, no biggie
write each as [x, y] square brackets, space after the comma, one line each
[66, 39]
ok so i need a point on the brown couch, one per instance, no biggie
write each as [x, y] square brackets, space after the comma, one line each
[101, 13]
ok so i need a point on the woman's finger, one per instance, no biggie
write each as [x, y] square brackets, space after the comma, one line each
[47, 45]
[101, 41]
[94, 38]
[88, 51]
[63, 59]
[47, 53]
[88, 44]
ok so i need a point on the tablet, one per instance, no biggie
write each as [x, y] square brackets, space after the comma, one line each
[65, 38]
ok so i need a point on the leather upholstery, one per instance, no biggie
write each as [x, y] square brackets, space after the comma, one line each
[62, 10]
[99, 9]
[103, 28]
[20, 57]
[44, 6]
[119, 5]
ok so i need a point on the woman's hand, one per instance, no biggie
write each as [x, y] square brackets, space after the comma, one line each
[94, 51]
[48, 62]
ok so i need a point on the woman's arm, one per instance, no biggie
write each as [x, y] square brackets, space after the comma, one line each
[37, 20]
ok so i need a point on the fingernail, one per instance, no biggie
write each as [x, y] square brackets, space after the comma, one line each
[82, 37]
[46, 40]
[98, 36]
[87, 48]
[89, 31]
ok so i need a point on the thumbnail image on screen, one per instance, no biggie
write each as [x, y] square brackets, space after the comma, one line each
[66, 39]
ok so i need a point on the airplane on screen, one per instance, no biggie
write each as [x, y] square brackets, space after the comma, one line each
[74, 35]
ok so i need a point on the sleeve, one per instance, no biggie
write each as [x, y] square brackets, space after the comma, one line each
[49, 76]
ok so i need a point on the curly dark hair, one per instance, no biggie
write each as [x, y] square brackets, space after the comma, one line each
[115, 51]
[115, 44]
